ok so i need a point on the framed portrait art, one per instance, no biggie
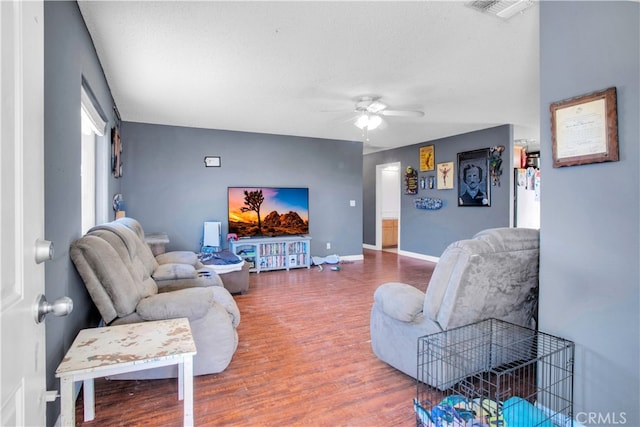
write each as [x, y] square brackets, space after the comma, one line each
[473, 180]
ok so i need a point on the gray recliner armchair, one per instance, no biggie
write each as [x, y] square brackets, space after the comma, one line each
[129, 285]
[492, 275]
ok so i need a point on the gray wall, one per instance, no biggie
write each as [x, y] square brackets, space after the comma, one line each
[69, 56]
[589, 280]
[167, 187]
[429, 232]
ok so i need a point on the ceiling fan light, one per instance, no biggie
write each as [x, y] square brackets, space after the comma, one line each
[368, 121]
[362, 121]
[374, 122]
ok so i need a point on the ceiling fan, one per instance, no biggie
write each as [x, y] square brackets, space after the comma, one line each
[370, 110]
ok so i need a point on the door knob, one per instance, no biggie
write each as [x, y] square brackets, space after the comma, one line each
[44, 250]
[60, 307]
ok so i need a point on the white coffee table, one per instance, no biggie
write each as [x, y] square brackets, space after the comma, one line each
[100, 352]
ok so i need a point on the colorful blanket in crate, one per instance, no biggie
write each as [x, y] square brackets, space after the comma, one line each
[458, 411]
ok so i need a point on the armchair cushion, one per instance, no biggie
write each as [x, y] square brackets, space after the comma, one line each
[108, 279]
[174, 271]
[178, 257]
[500, 284]
[399, 300]
[192, 303]
[450, 266]
[223, 298]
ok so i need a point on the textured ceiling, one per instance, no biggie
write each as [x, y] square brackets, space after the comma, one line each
[297, 68]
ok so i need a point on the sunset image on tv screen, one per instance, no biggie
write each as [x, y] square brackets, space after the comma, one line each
[266, 211]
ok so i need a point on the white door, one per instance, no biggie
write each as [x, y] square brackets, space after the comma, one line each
[22, 340]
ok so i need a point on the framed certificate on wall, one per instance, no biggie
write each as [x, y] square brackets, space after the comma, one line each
[584, 129]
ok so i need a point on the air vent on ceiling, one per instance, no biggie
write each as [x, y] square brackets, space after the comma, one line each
[501, 8]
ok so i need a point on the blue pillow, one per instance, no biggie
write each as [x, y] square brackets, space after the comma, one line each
[517, 412]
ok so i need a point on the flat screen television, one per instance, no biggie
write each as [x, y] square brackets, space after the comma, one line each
[268, 211]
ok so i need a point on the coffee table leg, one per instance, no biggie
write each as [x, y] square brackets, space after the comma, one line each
[67, 402]
[187, 368]
[89, 400]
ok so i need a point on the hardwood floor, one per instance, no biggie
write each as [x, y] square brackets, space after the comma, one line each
[304, 358]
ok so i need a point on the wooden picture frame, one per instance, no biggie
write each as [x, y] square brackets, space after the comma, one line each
[584, 129]
[473, 178]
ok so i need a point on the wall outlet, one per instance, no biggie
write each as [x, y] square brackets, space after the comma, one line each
[328, 245]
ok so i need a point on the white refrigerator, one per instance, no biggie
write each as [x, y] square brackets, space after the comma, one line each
[527, 197]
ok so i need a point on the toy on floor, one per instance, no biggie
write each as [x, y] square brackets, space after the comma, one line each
[329, 259]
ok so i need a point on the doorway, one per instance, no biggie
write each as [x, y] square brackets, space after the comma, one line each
[526, 185]
[388, 206]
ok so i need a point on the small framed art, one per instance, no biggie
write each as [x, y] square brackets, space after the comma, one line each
[116, 153]
[445, 176]
[427, 158]
[410, 181]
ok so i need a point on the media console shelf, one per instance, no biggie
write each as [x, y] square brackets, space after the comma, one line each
[273, 253]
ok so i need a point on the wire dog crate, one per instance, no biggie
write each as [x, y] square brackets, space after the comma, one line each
[496, 374]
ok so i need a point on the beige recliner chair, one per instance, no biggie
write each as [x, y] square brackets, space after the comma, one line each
[235, 280]
[492, 275]
[128, 285]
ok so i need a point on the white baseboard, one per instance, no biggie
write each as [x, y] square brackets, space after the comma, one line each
[419, 256]
[406, 253]
[352, 257]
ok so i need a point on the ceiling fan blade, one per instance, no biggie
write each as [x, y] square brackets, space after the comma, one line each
[340, 111]
[351, 119]
[402, 113]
